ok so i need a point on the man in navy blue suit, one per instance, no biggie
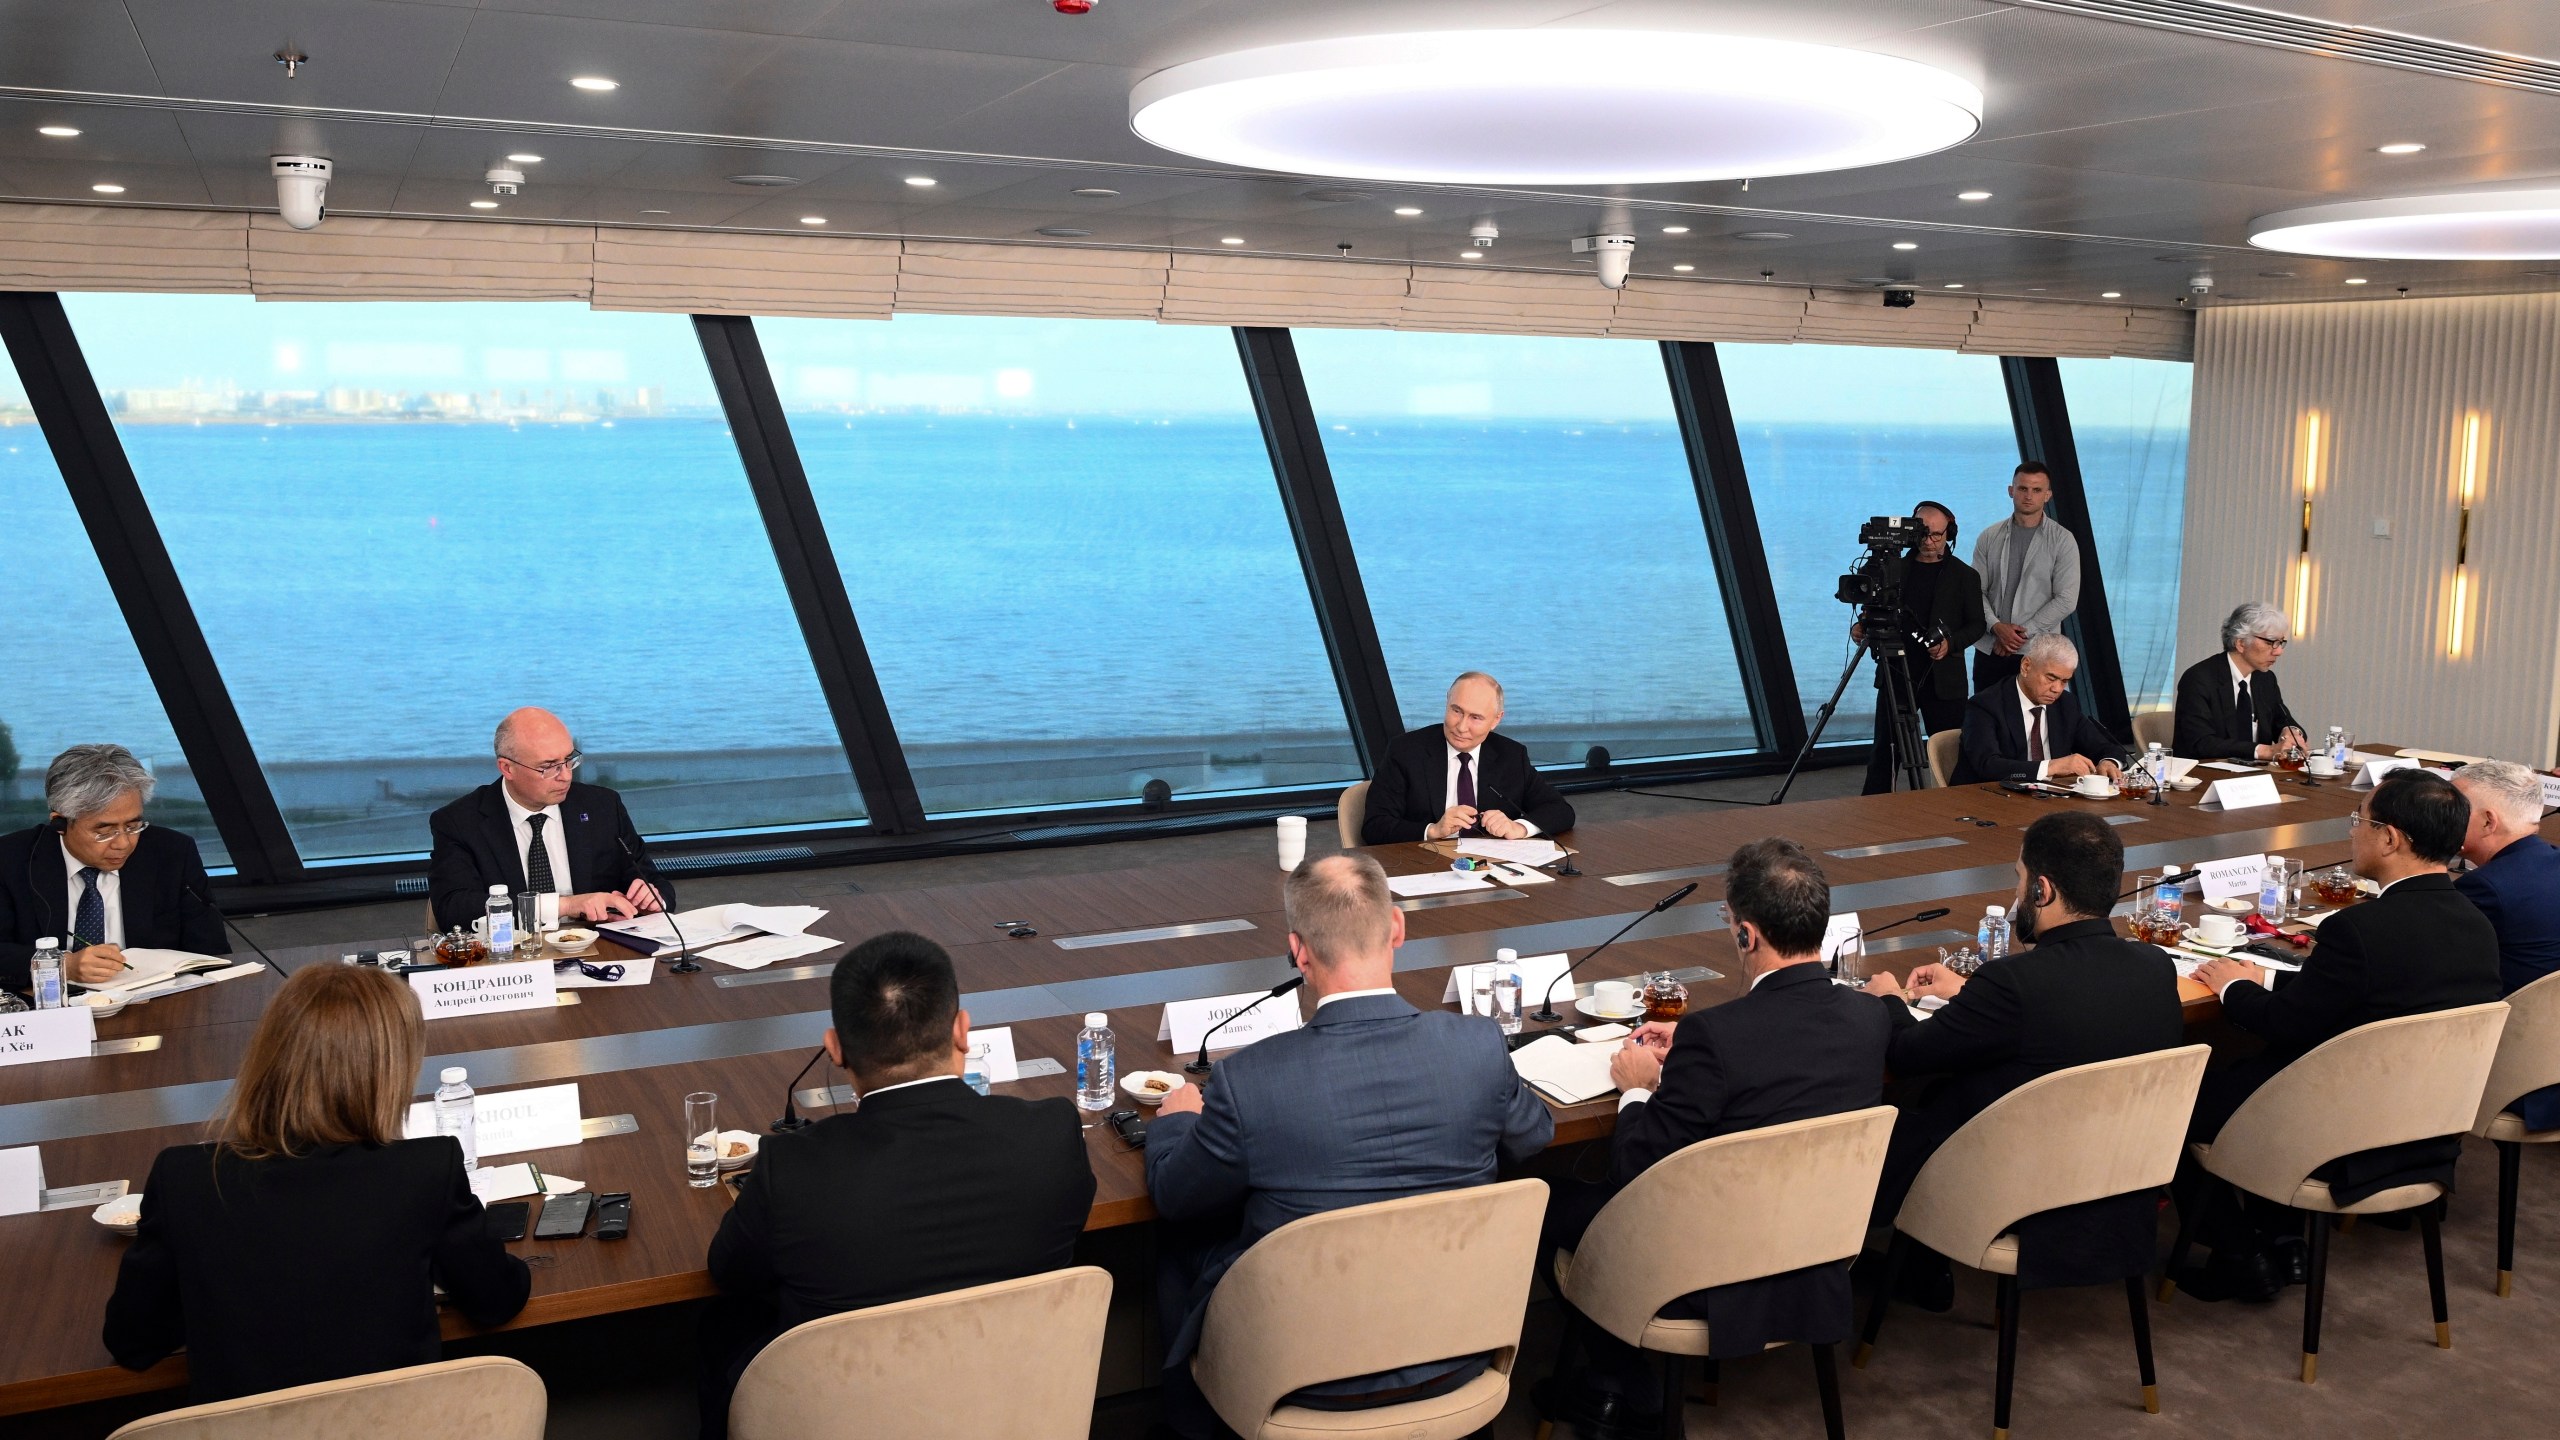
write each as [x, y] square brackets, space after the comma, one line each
[1372, 1100]
[2515, 881]
[2030, 727]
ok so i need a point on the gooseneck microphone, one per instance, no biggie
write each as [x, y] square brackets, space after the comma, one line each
[1546, 1014]
[1940, 913]
[684, 963]
[232, 925]
[791, 1118]
[1200, 1063]
[1563, 863]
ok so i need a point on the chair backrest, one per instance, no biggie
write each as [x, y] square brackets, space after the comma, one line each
[2081, 1134]
[1034, 1346]
[2415, 1077]
[2155, 727]
[1943, 745]
[1368, 1288]
[1737, 1207]
[2528, 1050]
[487, 1397]
[1349, 811]
[432, 927]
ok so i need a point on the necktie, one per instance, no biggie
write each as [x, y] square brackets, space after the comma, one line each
[90, 927]
[2035, 735]
[2245, 715]
[537, 858]
[1466, 780]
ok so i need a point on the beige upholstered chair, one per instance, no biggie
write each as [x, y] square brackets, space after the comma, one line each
[1369, 1288]
[2418, 1077]
[2528, 1059]
[488, 1397]
[1734, 1208]
[2076, 1135]
[1349, 811]
[1943, 747]
[2155, 727]
[1034, 1346]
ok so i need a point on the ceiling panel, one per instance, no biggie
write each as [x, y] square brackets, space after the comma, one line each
[74, 45]
[367, 55]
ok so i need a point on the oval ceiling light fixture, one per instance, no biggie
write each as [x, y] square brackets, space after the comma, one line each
[1975, 195]
[596, 83]
[525, 159]
[58, 132]
[1553, 106]
[2500, 225]
[2399, 147]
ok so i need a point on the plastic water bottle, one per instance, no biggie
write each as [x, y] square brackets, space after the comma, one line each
[1096, 1080]
[44, 969]
[2338, 746]
[2271, 893]
[1991, 937]
[455, 1115]
[2169, 902]
[502, 922]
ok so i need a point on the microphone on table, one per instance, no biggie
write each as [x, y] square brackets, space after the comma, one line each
[1563, 863]
[233, 926]
[1200, 1064]
[684, 964]
[1546, 1013]
[791, 1118]
[1940, 913]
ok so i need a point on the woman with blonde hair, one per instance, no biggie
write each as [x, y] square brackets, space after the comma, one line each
[305, 1241]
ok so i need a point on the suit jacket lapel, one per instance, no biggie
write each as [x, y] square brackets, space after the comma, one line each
[502, 834]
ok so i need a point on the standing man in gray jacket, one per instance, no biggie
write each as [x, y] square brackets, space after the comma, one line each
[2030, 568]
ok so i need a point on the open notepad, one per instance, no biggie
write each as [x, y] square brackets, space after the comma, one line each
[155, 968]
[1565, 1072]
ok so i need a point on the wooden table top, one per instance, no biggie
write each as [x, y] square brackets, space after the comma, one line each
[744, 1035]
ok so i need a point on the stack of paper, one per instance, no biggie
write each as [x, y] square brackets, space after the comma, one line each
[1565, 1072]
[1438, 882]
[712, 924]
[1518, 852]
[763, 950]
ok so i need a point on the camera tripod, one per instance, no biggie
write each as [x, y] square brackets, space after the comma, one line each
[1902, 734]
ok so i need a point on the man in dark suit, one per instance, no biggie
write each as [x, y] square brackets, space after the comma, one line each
[1459, 778]
[534, 828]
[2514, 882]
[98, 878]
[1372, 1100]
[2031, 727]
[1793, 1047]
[1941, 596]
[928, 1187]
[2230, 707]
[2419, 947]
[2081, 995]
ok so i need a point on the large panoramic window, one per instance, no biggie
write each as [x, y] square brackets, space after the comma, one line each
[2129, 420]
[398, 521]
[74, 677]
[1833, 434]
[1068, 556]
[1523, 506]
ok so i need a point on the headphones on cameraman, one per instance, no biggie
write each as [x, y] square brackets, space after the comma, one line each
[1943, 510]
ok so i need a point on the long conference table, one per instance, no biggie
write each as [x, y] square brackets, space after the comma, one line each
[1125, 942]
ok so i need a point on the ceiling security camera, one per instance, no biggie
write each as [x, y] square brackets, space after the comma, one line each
[1900, 299]
[2199, 285]
[504, 180]
[302, 189]
[1484, 234]
[1610, 255]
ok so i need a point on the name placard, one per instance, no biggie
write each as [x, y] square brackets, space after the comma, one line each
[484, 989]
[1537, 974]
[21, 1181]
[1185, 1021]
[1841, 934]
[2551, 792]
[506, 1122]
[2242, 794]
[31, 1037]
[1003, 1067]
[2371, 772]
[2237, 878]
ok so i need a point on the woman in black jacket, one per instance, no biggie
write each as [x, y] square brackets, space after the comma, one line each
[306, 1241]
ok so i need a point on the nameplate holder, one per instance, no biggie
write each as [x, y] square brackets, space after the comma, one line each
[1002, 1068]
[485, 989]
[509, 1122]
[86, 1197]
[2370, 773]
[1185, 1021]
[1538, 974]
[125, 1045]
[2243, 793]
[2551, 792]
[32, 1037]
[1841, 936]
[597, 1127]
[21, 1180]
[2238, 878]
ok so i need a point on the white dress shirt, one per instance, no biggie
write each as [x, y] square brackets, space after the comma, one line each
[552, 844]
[2027, 713]
[110, 890]
[908, 1085]
[1324, 1000]
[1475, 763]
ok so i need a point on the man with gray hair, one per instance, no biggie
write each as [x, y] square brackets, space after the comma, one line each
[537, 828]
[2030, 727]
[2514, 877]
[1371, 1100]
[2229, 707]
[97, 878]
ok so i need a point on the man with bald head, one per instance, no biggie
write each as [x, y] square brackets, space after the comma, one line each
[1458, 778]
[536, 828]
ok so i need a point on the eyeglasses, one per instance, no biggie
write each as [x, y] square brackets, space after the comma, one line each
[551, 769]
[105, 834]
[2271, 642]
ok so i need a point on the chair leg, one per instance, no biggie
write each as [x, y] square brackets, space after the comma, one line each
[1895, 1252]
[2008, 1376]
[1715, 1380]
[2431, 1233]
[1675, 1403]
[2314, 1290]
[2510, 1172]
[1826, 1378]
[2133, 1288]
[2186, 1240]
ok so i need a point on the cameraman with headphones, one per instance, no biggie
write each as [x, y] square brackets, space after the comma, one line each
[98, 877]
[1942, 602]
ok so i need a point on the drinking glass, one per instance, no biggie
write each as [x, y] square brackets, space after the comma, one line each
[528, 916]
[1505, 1001]
[1480, 990]
[2296, 898]
[702, 1145]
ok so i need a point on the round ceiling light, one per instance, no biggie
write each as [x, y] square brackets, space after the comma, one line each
[1555, 106]
[2501, 225]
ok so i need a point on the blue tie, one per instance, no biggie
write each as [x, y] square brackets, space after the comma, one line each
[91, 926]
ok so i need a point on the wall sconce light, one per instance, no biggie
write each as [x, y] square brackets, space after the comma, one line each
[2309, 446]
[2461, 613]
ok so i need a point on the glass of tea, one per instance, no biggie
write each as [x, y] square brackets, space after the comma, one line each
[2289, 757]
[2334, 886]
[1665, 999]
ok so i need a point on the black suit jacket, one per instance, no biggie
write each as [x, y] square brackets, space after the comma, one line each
[1957, 605]
[2208, 714]
[476, 848]
[292, 1271]
[1995, 735]
[154, 889]
[1408, 792]
[2419, 947]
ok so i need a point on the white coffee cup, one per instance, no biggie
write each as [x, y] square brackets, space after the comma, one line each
[2098, 785]
[2219, 931]
[2321, 766]
[1293, 840]
[1613, 997]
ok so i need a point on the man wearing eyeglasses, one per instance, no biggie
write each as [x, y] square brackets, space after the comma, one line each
[98, 877]
[536, 828]
[2229, 707]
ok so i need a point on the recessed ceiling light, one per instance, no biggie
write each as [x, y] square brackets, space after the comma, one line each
[1470, 254]
[2358, 280]
[764, 182]
[484, 204]
[1951, 286]
[813, 219]
[922, 182]
[525, 159]
[108, 189]
[58, 132]
[2111, 295]
[1973, 194]
[1905, 245]
[2400, 147]
[2276, 274]
[1554, 107]
[1765, 235]
[1065, 232]
[1675, 229]
[1684, 268]
[595, 82]
[1096, 191]
[1230, 239]
[657, 212]
[1408, 211]
[2501, 225]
